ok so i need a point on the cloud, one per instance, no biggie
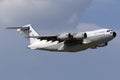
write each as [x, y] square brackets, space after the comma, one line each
[19, 63]
[45, 13]
[87, 27]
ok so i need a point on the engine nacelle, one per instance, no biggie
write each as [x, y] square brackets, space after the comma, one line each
[80, 36]
[64, 36]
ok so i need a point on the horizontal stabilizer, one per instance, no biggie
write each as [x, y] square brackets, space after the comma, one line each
[22, 28]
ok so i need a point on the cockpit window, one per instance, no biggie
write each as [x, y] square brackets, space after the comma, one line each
[109, 30]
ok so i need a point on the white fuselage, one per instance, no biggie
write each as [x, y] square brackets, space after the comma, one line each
[94, 39]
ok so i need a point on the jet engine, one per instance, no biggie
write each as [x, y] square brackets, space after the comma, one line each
[80, 36]
[64, 36]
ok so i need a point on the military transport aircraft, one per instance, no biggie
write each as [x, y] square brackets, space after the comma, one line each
[66, 42]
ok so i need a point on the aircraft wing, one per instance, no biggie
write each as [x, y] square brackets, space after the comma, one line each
[48, 38]
[54, 38]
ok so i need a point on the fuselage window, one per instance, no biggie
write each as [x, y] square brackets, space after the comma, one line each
[109, 30]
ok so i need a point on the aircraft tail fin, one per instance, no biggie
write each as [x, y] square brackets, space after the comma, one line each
[27, 31]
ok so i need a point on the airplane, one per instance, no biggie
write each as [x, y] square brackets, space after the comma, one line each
[66, 42]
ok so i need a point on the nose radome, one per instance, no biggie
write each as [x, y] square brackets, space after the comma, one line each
[114, 34]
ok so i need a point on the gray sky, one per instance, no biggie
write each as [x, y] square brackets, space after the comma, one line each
[49, 17]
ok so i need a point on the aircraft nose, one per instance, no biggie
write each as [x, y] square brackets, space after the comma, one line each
[114, 34]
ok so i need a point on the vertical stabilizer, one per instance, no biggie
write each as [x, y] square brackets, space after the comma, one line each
[28, 32]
